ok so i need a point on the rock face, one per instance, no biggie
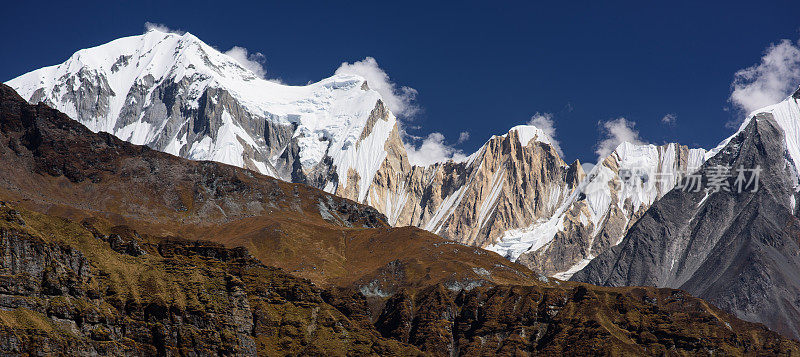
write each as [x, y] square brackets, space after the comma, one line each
[737, 250]
[513, 180]
[596, 215]
[99, 256]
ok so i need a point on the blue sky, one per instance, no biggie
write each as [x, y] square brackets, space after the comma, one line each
[478, 67]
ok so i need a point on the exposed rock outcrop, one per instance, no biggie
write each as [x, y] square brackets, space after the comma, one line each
[512, 181]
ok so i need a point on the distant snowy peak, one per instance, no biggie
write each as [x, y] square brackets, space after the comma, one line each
[176, 94]
[121, 65]
[735, 248]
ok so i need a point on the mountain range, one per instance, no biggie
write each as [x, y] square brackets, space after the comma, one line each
[178, 95]
[110, 248]
[623, 223]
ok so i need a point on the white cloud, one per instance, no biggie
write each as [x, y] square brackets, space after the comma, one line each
[587, 167]
[616, 132]
[252, 61]
[544, 121]
[670, 119]
[462, 137]
[770, 81]
[151, 26]
[398, 99]
[432, 150]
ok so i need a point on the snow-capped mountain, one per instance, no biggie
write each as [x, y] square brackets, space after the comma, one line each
[598, 214]
[176, 94]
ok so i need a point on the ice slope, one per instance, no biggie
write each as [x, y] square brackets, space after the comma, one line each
[329, 115]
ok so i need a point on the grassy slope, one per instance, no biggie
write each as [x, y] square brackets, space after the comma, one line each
[182, 277]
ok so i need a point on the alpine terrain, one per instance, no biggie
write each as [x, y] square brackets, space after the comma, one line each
[209, 259]
[316, 180]
[514, 195]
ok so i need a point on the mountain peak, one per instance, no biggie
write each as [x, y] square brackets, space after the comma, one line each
[787, 117]
[528, 132]
[176, 94]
